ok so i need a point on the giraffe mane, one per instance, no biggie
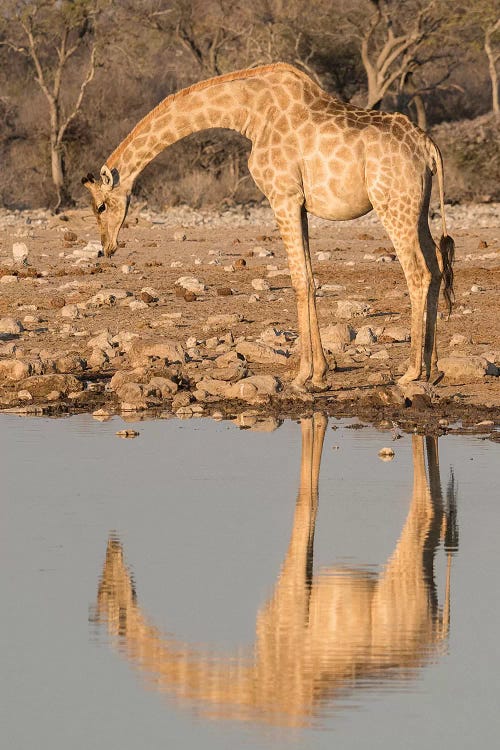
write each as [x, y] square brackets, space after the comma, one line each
[200, 86]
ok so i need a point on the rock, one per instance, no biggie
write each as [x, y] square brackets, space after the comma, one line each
[332, 288]
[253, 351]
[41, 385]
[109, 296]
[124, 340]
[165, 386]
[98, 359]
[56, 303]
[239, 264]
[275, 337]
[93, 249]
[70, 236]
[19, 252]
[127, 433]
[365, 336]
[347, 309]
[179, 236]
[24, 395]
[126, 269]
[254, 387]
[143, 351]
[71, 311]
[132, 397]
[8, 279]
[70, 362]
[335, 336]
[138, 304]
[381, 354]
[260, 285]
[103, 340]
[324, 256]
[229, 372]
[395, 334]
[465, 369]
[459, 340]
[190, 284]
[14, 369]
[148, 294]
[222, 321]
[10, 327]
[224, 291]
[477, 288]
[181, 400]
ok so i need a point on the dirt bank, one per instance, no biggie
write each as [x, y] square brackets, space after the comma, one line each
[125, 335]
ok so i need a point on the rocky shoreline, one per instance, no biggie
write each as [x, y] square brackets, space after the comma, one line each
[195, 315]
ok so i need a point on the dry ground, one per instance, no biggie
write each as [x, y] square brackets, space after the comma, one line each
[213, 245]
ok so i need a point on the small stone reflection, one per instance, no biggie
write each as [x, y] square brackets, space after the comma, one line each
[319, 638]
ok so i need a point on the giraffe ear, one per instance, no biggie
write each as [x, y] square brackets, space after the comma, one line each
[110, 177]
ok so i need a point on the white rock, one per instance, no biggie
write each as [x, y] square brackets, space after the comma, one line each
[127, 269]
[138, 304]
[19, 252]
[476, 288]
[365, 336]
[347, 309]
[335, 337]
[396, 333]
[458, 339]
[260, 285]
[93, 249]
[10, 326]
[191, 284]
[325, 255]
[70, 311]
[176, 264]
[465, 369]
[179, 236]
[382, 354]
[332, 288]
[8, 279]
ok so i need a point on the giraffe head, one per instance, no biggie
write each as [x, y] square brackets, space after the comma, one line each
[110, 202]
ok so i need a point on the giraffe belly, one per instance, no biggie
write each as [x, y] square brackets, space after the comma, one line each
[334, 192]
[338, 209]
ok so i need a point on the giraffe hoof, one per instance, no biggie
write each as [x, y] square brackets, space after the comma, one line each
[408, 377]
[318, 386]
[435, 377]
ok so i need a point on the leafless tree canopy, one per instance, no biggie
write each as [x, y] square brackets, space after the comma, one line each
[76, 75]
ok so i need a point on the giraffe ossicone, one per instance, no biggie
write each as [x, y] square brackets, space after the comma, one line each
[311, 153]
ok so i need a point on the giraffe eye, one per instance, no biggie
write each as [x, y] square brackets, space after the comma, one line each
[101, 207]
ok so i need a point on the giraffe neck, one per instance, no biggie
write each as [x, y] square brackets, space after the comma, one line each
[224, 102]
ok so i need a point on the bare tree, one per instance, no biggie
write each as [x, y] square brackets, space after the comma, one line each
[392, 37]
[58, 41]
[492, 33]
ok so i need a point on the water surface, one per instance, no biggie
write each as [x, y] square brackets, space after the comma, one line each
[214, 587]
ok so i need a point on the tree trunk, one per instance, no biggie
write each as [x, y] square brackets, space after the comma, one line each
[492, 60]
[415, 99]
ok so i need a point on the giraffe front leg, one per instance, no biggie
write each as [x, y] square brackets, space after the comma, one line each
[292, 222]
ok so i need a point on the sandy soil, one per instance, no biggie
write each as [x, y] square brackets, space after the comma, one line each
[154, 256]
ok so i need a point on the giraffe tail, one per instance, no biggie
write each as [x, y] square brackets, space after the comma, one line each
[446, 249]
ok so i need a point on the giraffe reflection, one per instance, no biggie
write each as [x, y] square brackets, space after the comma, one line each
[318, 638]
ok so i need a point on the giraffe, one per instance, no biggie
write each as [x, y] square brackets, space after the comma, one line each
[311, 153]
[319, 636]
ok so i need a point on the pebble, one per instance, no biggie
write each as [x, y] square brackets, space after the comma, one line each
[125, 269]
[9, 279]
[179, 236]
[127, 433]
[324, 256]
